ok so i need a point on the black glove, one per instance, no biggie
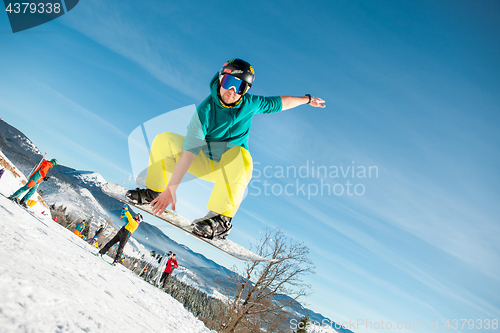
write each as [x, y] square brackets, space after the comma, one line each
[46, 178]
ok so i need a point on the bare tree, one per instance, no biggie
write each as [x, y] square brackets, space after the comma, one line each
[257, 302]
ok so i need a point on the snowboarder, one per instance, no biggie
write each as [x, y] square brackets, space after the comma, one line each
[214, 149]
[171, 264]
[123, 234]
[39, 175]
[80, 226]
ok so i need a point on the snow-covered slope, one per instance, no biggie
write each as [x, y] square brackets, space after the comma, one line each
[51, 282]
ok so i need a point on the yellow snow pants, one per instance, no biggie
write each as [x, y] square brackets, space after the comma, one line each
[231, 174]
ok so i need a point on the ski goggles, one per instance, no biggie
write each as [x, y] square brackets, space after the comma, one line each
[228, 81]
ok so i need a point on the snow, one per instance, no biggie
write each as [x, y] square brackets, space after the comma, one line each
[139, 251]
[26, 143]
[92, 178]
[80, 203]
[86, 193]
[51, 282]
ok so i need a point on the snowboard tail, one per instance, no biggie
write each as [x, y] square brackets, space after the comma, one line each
[235, 250]
[98, 256]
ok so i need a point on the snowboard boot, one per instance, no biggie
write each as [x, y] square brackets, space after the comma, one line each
[142, 196]
[16, 200]
[213, 225]
[23, 203]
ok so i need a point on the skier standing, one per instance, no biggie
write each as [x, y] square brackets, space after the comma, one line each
[214, 149]
[96, 235]
[39, 175]
[148, 264]
[157, 277]
[153, 268]
[144, 270]
[80, 226]
[123, 234]
[171, 264]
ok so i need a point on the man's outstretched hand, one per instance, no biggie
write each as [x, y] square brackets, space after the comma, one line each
[317, 102]
[165, 199]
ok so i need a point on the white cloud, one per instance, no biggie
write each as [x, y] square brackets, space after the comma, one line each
[96, 121]
[124, 33]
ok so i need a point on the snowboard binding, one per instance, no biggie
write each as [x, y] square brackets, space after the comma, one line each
[212, 226]
[141, 196]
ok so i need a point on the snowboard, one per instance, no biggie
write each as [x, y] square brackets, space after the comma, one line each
[235, 250]
[107, 262]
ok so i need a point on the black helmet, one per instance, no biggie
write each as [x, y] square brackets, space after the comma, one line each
[240, 69]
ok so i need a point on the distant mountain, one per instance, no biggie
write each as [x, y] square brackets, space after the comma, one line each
[17, 147]
[80, 191]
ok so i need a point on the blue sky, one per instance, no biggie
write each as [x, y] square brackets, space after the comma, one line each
[412, 89]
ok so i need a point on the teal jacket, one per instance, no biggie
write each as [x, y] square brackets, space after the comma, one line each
[215, 128]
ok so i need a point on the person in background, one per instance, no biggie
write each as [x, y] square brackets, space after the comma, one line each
[171, 264]
[39, 175]
[80, 226]
[159, 272]
[123, 234]
[96, 235]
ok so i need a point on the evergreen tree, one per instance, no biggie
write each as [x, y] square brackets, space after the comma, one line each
[86, 230]
[302, 325]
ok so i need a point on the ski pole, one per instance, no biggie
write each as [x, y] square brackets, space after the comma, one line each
[32, 170]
